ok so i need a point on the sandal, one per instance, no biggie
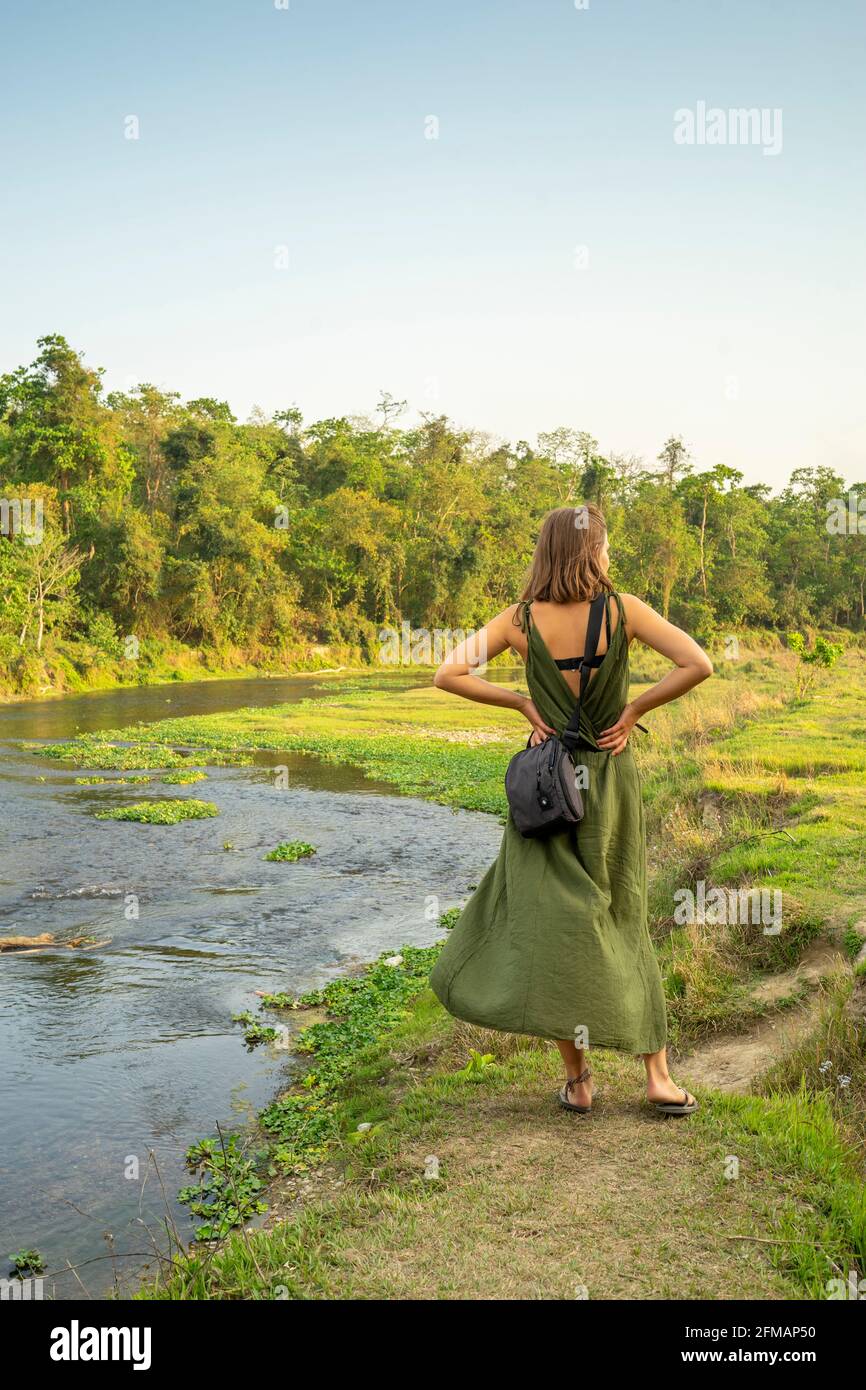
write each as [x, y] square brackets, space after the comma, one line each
[676, 1107]
[563, 1094]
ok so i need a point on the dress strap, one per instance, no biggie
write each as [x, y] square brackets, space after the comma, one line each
[524, 616]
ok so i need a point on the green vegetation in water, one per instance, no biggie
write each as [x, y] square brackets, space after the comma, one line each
[184, 778]
[111, 781]
[27, 1262]
[450, 917]
[290, 851]
[229, 1187]
[161, 812]
[255, 1032]
[91, 752]
[103, 754]
[362, 1010]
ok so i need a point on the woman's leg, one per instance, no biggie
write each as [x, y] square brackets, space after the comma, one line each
[659, 1085]
[574, 1059]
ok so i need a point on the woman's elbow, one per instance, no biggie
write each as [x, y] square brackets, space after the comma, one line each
[705, 666]
[442, 678]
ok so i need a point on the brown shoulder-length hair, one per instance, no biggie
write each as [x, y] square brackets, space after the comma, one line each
[566, 565]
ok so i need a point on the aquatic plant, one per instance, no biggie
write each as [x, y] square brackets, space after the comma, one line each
[101, 753]
[290, 851]
[255, 1032]
[96, 753]
[362, 1009]
[27, 1262]
[228, 1189]
[161, 812]
[450, 917]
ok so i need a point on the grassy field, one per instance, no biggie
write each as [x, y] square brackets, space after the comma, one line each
[469, 1182]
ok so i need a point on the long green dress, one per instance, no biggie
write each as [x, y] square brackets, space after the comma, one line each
[555, 937]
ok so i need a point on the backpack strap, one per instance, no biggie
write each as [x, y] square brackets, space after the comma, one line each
[571, 732]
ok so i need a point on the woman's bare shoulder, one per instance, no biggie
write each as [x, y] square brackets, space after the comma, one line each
[510, 625]
[633, 608]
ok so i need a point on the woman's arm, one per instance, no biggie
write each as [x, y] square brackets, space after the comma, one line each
[691, 666]
[456, 674]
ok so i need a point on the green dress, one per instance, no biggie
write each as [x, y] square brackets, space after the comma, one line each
[555, 937]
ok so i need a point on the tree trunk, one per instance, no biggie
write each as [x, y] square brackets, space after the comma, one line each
[703, 534]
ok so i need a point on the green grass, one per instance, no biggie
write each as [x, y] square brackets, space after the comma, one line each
[819, 1222]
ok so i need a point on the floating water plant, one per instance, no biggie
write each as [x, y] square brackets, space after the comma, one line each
[290, 851]
[103, 755]
[110, 781]
[27, 1262]
[255, 1031]
[229, 1186]
[161, 812]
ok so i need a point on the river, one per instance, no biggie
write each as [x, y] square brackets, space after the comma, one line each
[126, 1054]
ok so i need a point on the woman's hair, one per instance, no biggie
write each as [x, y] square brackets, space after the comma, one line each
[566, 565]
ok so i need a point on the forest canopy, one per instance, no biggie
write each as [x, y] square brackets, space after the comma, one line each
[165, 520]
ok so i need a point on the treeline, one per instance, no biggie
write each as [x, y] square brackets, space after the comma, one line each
[166, 521]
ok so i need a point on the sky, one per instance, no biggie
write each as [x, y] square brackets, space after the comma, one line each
[479, 206]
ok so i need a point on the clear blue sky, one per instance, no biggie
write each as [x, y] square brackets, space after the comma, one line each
[723, 296]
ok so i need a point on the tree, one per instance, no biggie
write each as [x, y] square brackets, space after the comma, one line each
[48, 574]
[61, 433]
[675, 460]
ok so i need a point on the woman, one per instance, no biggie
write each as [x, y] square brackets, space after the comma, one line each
[554, 942]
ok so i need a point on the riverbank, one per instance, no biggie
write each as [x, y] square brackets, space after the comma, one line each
[744, 787]
[78, 667]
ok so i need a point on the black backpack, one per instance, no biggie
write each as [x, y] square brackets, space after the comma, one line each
[541, 782]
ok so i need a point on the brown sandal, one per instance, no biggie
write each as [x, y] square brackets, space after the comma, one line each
[676, 1107]
[564, 1093]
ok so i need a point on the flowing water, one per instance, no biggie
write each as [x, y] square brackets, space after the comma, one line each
[115, 1059]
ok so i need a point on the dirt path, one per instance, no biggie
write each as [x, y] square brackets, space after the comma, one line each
[732, 1062]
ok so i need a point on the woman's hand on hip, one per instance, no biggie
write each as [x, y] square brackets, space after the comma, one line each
[614, 739]
[540, 730]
